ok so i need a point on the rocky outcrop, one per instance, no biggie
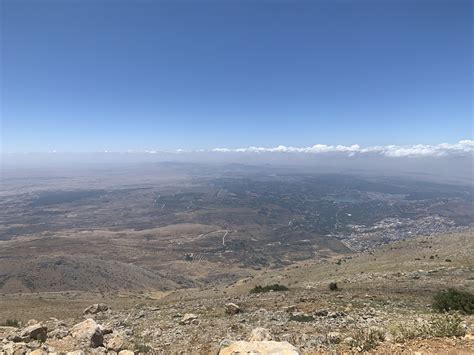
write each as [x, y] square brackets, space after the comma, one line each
[35, 332]
[89, 333]
[96, 308]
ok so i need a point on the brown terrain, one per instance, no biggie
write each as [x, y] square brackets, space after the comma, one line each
[166, 261]
[387, 292]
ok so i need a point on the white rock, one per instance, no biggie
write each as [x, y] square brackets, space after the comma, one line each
[232, 308]
[259, 348]
[115, 343]
[96, 308]
[188, 318]
[88, 331]
[38, 352]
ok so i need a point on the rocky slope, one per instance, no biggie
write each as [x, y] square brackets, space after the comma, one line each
[382, 304]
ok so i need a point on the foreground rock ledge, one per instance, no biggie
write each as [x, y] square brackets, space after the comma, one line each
[259, 348]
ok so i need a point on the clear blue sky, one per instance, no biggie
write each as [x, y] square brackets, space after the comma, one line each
[120, 75]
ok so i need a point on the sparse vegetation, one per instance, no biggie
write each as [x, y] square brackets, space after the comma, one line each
[11, 323]
[333, 286]
[301, 318]
[269, 288]
[403, 332]
[445, 325]
[143, 348]
[453, 300]
[367, 339]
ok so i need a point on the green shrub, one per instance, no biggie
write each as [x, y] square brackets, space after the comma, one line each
[440, 325]
[12, 323]
[402, 332]
[301, 318]
[453, 300]
[268, 288]
[446, 325]
[333, 286]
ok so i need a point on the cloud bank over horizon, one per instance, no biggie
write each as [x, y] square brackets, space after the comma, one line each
[463, 147]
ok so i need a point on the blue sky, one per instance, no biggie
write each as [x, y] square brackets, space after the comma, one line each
[122, 75]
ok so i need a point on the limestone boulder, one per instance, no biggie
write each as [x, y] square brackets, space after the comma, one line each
[88, 332]
[96, 308]
[259, 348]
[34, 332]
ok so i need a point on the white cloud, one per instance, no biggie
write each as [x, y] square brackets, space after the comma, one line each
[464, 147]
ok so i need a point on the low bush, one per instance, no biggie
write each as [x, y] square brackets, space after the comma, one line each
[367, 339]
[333, 286]
[301, 318]
[453, 300]
[439, 326]
[268, 288]
[408, 331]
[446, 325]
[12, 323]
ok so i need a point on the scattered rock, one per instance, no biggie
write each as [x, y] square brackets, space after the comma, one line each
[96, 308]
[97, 351]
[336, 314]
[260, 334]
[115, 343]
[290, 309]
[106, 329]
[348, 340]
[5, 332]
[225, 343]
[34, 332]
[88, 331]
[126, 352]
[59, 333]
[189, 318]
[140, 314]
[334, 337]
[232, 308]
[321, 313]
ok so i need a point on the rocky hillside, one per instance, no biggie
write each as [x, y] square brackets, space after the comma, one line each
[377, 302]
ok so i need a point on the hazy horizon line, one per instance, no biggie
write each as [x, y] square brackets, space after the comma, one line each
[462, 147]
